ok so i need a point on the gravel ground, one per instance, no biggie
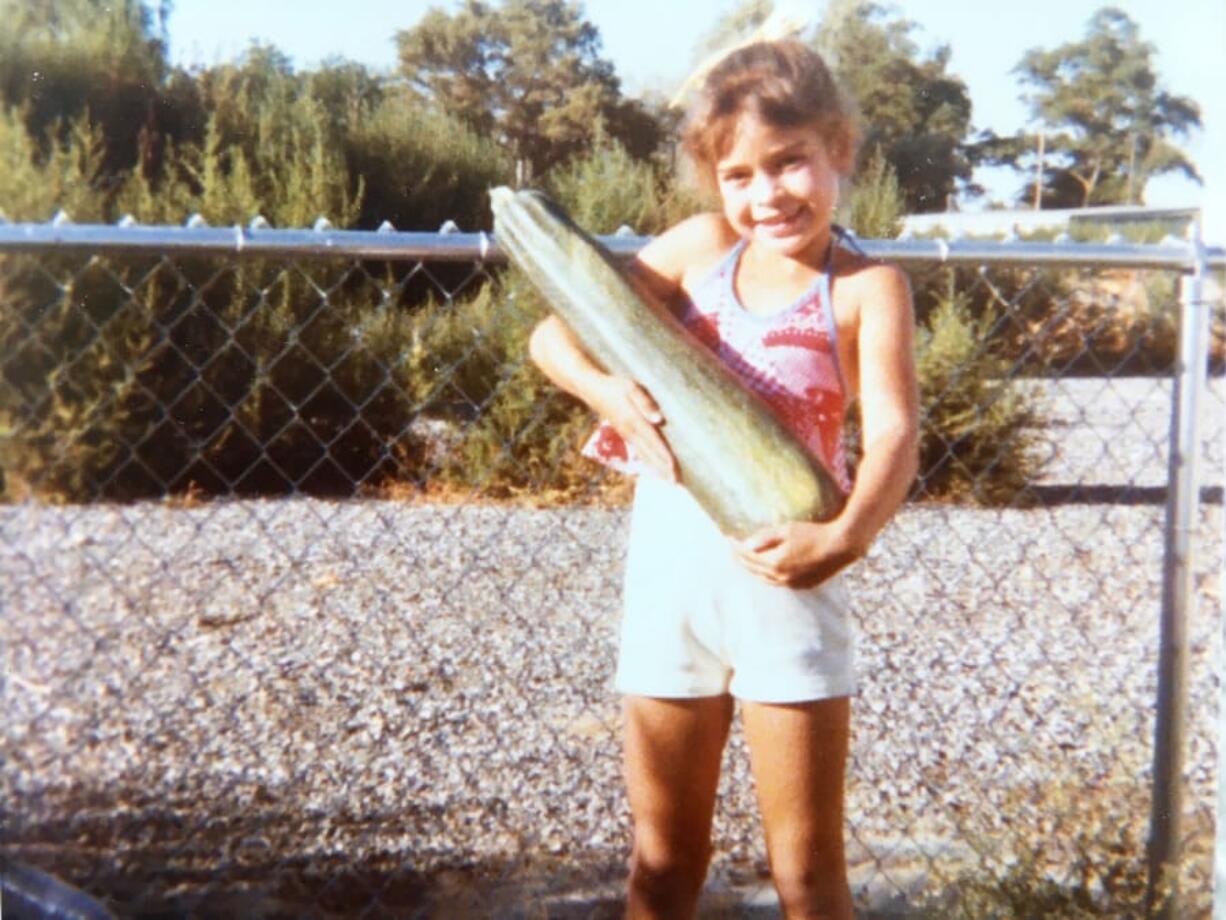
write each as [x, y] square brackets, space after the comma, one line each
[367, 706]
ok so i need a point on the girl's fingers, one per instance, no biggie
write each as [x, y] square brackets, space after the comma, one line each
[756, 562]
[764, 554]
[642, 401]
[637, 418]
[761, 540]
[654, 450]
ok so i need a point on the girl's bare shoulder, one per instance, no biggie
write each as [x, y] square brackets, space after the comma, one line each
[870, 284]
[690, 248]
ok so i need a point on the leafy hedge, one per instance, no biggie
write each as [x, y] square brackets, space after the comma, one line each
[136, 378]
[978, 432]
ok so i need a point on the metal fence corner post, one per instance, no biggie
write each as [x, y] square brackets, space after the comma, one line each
[1219, 847]
[1178, 589]
[1219, 844]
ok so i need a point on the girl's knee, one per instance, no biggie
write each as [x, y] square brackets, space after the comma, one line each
[813, 889]
[663, 865]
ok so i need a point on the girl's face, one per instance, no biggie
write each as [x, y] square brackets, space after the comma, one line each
[779, 187]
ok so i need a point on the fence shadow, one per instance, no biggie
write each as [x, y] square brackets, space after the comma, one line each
[1108, 494]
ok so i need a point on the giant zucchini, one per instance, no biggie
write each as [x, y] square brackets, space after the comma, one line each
[741, 464]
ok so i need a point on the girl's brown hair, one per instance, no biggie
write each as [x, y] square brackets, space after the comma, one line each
[784, 83]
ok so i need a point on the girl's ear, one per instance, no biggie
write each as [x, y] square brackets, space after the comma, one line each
[841, 147]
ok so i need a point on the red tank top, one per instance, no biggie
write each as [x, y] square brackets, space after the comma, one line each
[789, 358]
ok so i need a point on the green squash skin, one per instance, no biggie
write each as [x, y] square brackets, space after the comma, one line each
[740, 463]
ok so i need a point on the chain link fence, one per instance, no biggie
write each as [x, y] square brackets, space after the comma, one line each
[309, 606]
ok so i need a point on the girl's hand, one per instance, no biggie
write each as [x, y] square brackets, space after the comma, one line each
[801, 554]
[635, 416]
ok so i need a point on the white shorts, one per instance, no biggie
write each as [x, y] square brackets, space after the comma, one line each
[697, 623]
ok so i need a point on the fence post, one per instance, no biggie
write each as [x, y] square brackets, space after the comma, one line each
[1183, 499]
[1219, 847]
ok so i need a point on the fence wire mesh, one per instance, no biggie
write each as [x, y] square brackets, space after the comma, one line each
[310, 607]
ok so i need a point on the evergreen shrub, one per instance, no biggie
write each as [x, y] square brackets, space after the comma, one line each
[515, 434]
[978, 430]
[607, 189]
[876, 205]
[421, 168]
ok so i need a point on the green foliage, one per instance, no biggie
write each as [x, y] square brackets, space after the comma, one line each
[294, 174]
[71, 378]
[35, 186]
[527, 73]
[422, 168]
[347, 93]
[268, 148]
[1066, 322]
[1109, 123]
[114, 413]
[70, 61]
[468, 365]
[607, 188]
[252, 383]
[1092, 862]
[916, 113]
[526, 442]
[876, 206]
[128, 379]
[232, 141]
[111, 128]
[977, 430]
[137, 379]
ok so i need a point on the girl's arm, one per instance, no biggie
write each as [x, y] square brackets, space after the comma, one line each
[806, 553]
[889, 408]
[656, 274]
[628, 407]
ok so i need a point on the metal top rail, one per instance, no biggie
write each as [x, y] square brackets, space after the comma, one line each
[450, 245]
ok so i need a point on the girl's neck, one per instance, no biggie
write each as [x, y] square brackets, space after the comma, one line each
[766, 282]
[760, 260]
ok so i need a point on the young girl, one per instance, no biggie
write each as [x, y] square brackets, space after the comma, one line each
[809, 324]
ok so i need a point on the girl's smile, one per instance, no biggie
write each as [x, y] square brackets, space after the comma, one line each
[779, 187]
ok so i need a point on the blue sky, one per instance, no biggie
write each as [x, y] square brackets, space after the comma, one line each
[651, 43]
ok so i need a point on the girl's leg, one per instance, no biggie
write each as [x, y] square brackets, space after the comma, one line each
[799, 756]
[673, 751]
